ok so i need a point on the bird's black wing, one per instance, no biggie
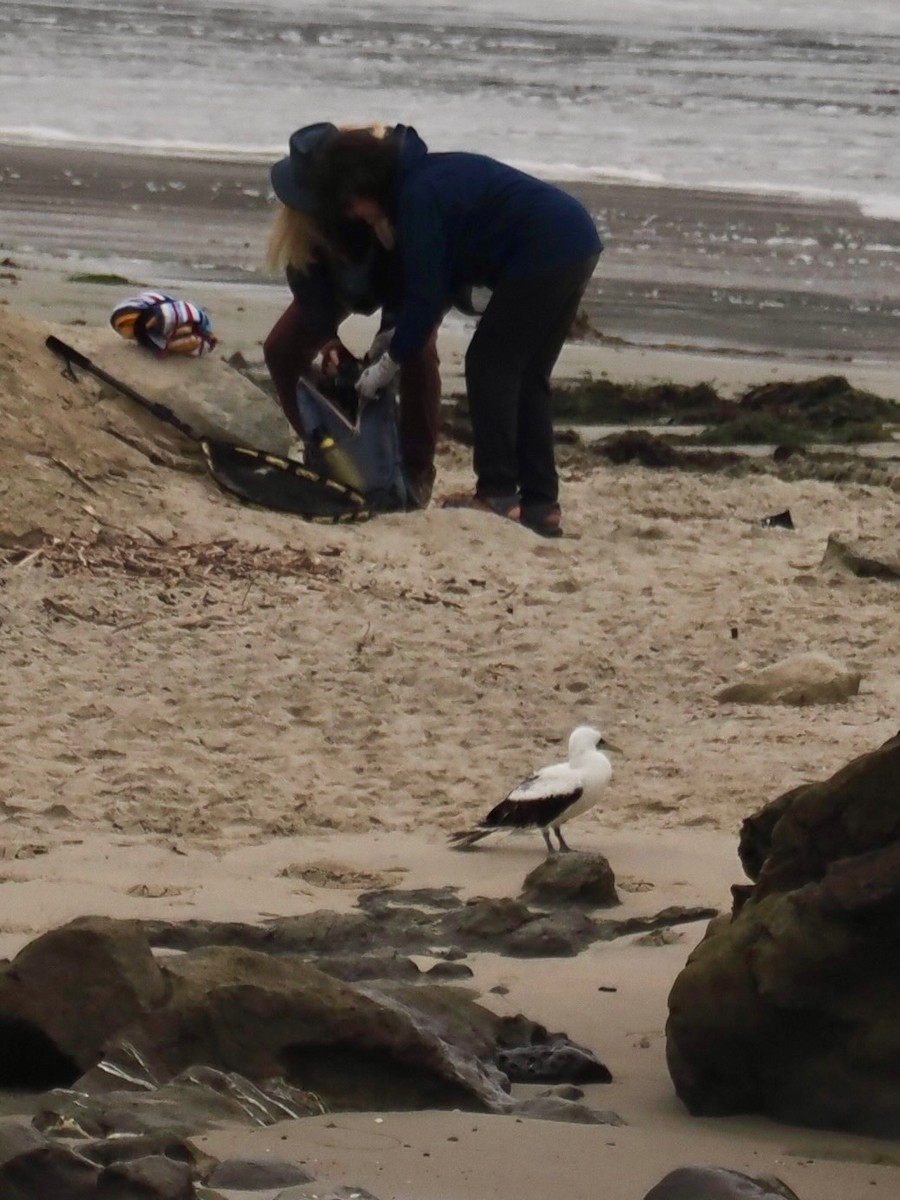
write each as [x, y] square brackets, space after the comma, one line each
[533, 813]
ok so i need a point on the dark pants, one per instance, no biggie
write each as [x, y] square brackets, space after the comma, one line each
[508, 367]
[294, 341]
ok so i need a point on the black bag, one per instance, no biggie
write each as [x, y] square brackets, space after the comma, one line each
[355, 445]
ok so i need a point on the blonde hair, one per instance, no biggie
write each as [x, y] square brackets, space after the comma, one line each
[296, 240]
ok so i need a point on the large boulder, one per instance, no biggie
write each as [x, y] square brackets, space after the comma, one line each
[48, 1172]
[66, 993]
[795, 839]
[266, 1016]
[789, 1006]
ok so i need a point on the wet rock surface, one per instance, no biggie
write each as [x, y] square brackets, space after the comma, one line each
[788, 1007]
[225, 1033]
[253, 1024]
[394, 922]
[718, 1183]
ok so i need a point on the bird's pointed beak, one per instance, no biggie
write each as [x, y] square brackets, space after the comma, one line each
[603, 744]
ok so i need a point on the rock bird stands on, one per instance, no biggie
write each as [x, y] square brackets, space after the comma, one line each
[554, 795]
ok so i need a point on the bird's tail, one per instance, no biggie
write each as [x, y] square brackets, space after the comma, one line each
[466, 838]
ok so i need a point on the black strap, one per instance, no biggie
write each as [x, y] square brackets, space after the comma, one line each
[74, 357]
[313, 496]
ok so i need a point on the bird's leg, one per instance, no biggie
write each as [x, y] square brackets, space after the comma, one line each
[563, 844]
[546, 834]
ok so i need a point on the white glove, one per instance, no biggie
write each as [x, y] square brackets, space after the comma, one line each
[376, 377]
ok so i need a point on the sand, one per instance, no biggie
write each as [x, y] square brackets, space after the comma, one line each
[335, 700]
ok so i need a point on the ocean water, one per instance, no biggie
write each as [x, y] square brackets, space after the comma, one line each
[796, 96]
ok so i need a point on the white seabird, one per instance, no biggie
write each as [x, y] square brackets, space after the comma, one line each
[551, 796]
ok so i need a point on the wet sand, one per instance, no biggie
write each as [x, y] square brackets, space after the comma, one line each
[708, 271]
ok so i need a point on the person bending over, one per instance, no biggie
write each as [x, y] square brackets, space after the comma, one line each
[461, 221]
[337, 265]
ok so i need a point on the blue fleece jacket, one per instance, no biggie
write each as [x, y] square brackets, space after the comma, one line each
[464, 220]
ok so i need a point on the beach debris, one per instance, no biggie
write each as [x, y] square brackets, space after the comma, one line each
[164, 325]
[841, 556]
[786, 413]
[809, 678]
[648, 450]
[170, 560]
[788, 1005]
[718, 1183]
[552, 796]
[779, 520]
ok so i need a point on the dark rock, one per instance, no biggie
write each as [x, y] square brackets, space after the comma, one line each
[125, 1148]
[717, 1183]
[449, 970]
[547, 937]
[311, 933]
[794, 839]
[265, 1015]
[585, 879]
[554, 1062]
[254, 1174]
[487, 921]
[675, 914]
[442, 899]
[48, 1173]
[156, 1178]
[66, 993]
[528, 1053]
[355, 967]
[16, 1139]
[194, 1100]
[391, 926]
[788, 1007]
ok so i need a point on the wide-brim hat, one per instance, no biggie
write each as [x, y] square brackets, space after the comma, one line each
[291, 176]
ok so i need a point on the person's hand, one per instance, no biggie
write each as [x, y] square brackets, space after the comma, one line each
[376, 377]
[333, 354]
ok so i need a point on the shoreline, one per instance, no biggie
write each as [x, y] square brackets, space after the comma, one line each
[709, 272]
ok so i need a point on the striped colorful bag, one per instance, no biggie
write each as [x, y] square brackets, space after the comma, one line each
[164, 325]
